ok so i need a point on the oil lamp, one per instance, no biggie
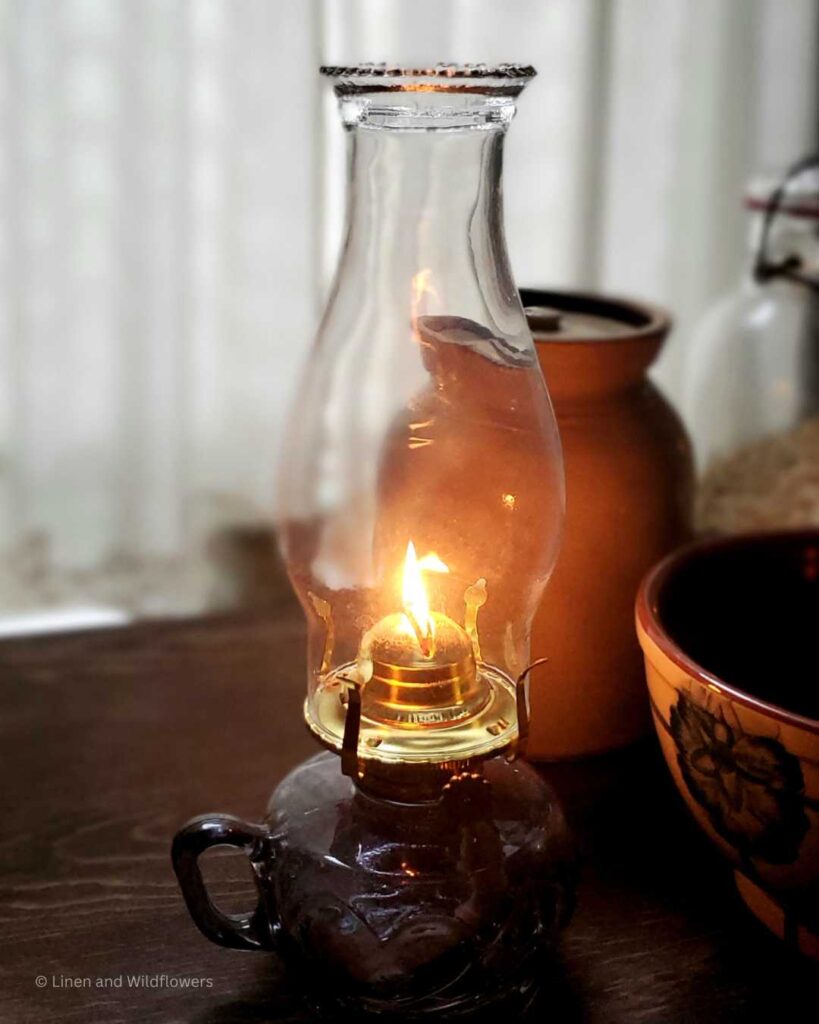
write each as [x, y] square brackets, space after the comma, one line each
[417, 866]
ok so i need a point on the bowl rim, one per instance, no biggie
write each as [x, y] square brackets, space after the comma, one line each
[648, 619]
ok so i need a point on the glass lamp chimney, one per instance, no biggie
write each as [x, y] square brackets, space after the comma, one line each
[421, 500]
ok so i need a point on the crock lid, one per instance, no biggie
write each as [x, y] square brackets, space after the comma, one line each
[581, 316]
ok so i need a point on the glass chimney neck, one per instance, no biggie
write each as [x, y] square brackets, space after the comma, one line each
[425, 214]
[428, 111]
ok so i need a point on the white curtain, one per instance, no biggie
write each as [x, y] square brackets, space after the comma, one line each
[171, 198]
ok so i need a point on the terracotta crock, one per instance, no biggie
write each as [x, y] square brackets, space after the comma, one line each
[629, 493]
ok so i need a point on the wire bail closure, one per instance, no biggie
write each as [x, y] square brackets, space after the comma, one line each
[791, 267]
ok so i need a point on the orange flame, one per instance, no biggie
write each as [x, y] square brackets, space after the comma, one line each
[416, 603]
[420, 288]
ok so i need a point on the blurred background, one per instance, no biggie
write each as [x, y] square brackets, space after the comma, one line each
[171, 203]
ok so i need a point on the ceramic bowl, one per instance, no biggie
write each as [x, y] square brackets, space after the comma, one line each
[730, 633]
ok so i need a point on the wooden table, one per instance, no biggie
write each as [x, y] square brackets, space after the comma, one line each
[110, 740]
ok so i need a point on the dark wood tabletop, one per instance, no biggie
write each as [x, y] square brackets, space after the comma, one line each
[112, 739]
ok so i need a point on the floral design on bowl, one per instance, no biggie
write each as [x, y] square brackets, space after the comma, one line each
[750, 786]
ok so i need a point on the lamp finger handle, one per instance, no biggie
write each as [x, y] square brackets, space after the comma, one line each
[255, 930]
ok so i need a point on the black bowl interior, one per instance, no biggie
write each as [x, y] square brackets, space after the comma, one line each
[747, 611]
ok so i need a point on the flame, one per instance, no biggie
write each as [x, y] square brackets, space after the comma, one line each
[420, 287]
[419, 290]
[414, 595]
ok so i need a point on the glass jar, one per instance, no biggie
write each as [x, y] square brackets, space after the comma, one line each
[751, 388]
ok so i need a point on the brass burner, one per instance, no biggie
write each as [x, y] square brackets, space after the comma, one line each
[404, 688]
[418, 692]
[483, 732]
